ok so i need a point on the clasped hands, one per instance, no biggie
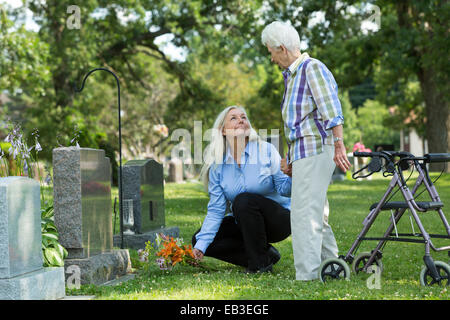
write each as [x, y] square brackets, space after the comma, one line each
[340, 158]
[285, 167]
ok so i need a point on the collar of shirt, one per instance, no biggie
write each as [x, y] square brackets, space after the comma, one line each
[229, 156]
[294, 66]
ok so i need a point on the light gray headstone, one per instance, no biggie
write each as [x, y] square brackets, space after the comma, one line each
[175, 170]
[22, 276]
[20, 226]
[43, 284]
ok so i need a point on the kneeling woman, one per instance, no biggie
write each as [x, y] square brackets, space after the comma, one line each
[242, 173]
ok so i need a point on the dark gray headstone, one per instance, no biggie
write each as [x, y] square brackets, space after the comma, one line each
[143, 183]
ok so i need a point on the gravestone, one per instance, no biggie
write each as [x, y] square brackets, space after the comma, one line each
[38, 171]
[22, 276]
[175, 170]
[358, 163]
[338, 175]
[143, 195]
[83, 214]
[143, 182]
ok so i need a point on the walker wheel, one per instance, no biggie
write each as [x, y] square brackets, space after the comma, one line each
[443, 269]
[361, 260]
[334, 268]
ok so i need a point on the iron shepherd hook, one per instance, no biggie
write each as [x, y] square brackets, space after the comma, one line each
[120, 144]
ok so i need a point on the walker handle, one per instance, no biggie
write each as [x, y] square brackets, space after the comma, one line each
[388, 155]
[364, 154]
[373, 166]
[437, 157]
[384, 154]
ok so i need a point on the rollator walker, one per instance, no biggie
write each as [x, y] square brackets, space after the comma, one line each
[434, 272]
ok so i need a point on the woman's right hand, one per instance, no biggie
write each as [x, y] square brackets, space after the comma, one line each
[197, 254]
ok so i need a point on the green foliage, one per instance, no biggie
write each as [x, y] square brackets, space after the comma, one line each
[414, 67]
[352, 129]
[16, 158]
[371, 118]
[53, 252]
[225, 64]
[264, 104]
[409, 47]
[411, 112]
[122, 36]
[24, 59]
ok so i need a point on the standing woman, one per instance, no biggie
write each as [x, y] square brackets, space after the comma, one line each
[242, 172]
[313, 125]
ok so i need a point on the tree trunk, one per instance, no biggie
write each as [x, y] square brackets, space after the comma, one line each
[437, 130]
[448, 137]
[437, 117]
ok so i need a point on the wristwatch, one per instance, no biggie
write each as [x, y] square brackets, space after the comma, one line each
[336, 139]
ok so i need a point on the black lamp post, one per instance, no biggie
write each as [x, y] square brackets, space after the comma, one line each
[120, 144]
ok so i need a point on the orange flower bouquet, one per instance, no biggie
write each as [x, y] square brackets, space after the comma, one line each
[171, 251]
[175, 252]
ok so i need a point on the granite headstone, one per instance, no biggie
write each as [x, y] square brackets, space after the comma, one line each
[175, 170]
[143, 187]
[143, 182]
[83, 213]
[82, 200]
[22, 276]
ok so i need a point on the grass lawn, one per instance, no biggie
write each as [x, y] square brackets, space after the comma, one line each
[349, 203]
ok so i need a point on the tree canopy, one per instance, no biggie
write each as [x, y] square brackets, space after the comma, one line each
[401, 62]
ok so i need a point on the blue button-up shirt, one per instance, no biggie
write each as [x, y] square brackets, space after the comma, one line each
[258, 173]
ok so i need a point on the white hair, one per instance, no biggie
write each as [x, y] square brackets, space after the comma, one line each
[216, 150]
[280, 33]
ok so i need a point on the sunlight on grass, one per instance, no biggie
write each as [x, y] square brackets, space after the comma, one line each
[186, 203]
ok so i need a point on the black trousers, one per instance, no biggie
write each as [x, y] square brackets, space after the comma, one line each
[243, 239]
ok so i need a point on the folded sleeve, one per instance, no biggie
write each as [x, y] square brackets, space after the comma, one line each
[324, 90]
[216, 210]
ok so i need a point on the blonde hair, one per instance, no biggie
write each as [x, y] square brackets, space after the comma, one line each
[216, 149]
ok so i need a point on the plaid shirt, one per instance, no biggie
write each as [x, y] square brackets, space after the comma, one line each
[310, 107]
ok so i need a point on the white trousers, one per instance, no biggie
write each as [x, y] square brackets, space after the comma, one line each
[312, 238]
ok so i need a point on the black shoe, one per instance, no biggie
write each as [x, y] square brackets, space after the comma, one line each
[274, 255]
[260, 270]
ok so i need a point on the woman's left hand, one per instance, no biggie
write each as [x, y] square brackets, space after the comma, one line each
[340, 156]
